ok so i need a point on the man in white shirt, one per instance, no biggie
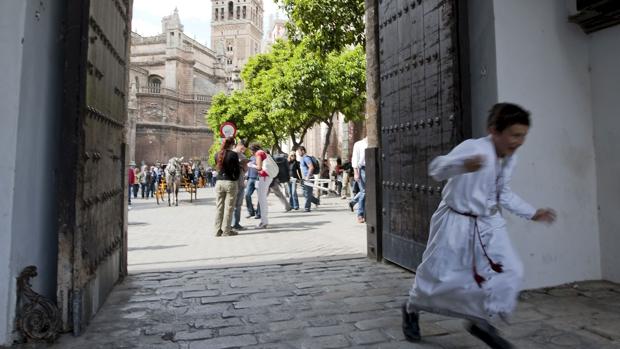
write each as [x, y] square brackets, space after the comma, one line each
[358, 162]
[469, 268]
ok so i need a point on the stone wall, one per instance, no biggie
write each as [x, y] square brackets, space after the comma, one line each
[161, 143]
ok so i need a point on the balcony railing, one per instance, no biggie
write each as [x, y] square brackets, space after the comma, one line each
[154, 89]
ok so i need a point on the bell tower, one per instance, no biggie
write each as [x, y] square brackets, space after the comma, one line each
[237, 27]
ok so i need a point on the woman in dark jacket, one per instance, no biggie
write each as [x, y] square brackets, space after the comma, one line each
[295, 171]
[226, 187]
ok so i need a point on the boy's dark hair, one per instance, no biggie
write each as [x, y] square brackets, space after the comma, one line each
[243, 142]
[504, 115]
[302, 148]
[255, 147]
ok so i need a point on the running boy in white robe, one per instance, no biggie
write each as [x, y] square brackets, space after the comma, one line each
[469, 268]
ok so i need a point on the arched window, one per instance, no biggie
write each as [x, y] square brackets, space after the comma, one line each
[154, 84]
[137, 84]
[238, 12]
[217, 13]
[231, 9]
[244, 13]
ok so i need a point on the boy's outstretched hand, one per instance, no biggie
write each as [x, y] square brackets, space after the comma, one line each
[545, 215]
[474, 163]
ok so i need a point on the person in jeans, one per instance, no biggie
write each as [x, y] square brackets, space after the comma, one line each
[226, 187]
[358, 162]
[251, 177]
[263, 183]
[243, 163]
[307, 171]
[295, 170]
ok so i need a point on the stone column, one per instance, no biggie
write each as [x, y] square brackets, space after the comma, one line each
[373, 124]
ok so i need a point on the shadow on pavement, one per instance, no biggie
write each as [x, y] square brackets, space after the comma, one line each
[283, 228]
[149, 204]
[153, 248]
[137, 223]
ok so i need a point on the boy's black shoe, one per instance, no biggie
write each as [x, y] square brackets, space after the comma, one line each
[411, 328]
[489, 336]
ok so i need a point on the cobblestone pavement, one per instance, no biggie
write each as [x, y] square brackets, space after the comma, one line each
[169, 238]
[349, 303]
[297, 285]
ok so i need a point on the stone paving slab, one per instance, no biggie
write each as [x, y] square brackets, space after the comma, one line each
[291, 306]
[170, 238]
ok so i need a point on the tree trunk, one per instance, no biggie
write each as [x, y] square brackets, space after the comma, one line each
[276, 146]
[328, 134]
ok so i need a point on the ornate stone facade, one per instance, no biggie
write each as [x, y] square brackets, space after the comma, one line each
[237, 32]
[172, 80]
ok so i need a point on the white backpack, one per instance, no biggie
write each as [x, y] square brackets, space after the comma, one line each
[271, 167]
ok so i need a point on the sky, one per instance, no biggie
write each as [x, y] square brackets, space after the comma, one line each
[195, 17]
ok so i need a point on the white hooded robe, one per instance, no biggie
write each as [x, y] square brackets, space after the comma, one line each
[444, 281]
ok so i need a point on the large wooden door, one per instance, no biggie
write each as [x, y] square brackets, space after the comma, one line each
[92, 180]
[421, 115]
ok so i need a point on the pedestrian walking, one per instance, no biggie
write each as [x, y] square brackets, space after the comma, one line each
[307, 167]
[136, 184]
[208, 177]
[251, 177]
[154, 181]
[358, 162]
[337, 174]
[142, 180]
[131, 181]
[243, 165]
[263, 183]
[469, 268]
[347, 183]
[276, 189]
[227, 164]
[295, 172]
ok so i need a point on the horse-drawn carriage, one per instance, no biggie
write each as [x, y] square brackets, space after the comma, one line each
[189, 181]
[174, 176]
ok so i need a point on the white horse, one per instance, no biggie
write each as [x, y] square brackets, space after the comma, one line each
[173, 178]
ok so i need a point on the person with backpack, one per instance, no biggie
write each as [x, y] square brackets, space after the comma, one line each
[263, 182]
[281, 177]
[309, 167]
[295, 176]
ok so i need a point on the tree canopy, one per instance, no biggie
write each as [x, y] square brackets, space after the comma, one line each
[327, 25]
[290, 89]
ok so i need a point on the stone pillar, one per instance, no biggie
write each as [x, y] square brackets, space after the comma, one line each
[373, 122]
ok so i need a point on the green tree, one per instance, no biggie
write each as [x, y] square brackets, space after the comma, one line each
[284, 79]
[247, 112]
[345, 91]
[328, 25]
[290, 89]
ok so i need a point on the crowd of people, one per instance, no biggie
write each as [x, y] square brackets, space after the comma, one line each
[144, 180]
[235, 178]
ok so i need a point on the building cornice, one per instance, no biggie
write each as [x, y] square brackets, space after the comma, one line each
[175, 127]
[156, 53]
